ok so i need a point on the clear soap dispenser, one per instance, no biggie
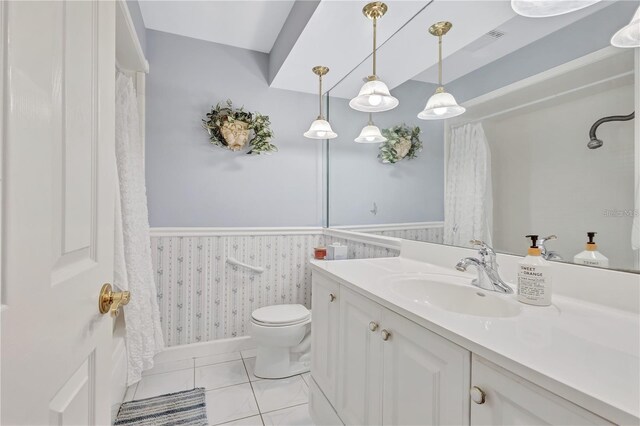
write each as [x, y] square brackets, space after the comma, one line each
[591, 256]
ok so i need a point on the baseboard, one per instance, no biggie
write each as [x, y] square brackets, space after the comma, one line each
[213, 347]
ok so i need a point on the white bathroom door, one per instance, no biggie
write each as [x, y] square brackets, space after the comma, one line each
[58, 182]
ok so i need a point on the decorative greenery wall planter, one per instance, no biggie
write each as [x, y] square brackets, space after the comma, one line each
[230, 128]
[402, 142]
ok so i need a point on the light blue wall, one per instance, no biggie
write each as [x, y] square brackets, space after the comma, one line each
[408, 191]
[138, 23]
[193, 183]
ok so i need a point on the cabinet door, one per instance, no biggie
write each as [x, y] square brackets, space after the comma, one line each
[324, 334]
[426, 377]
[512, 400]
[360, 361]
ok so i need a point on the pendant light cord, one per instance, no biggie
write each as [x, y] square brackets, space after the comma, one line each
[320, 117]
[375, 25]
[440, 60]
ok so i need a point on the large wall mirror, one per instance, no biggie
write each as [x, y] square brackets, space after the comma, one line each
[522, 159]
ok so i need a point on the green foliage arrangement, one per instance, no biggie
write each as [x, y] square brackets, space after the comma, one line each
[402, 142]
[225, 125]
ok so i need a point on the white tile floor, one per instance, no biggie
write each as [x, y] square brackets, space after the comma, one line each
[234, 395]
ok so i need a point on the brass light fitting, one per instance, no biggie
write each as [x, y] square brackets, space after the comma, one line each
[374, 96]
[441, 105]
[374, 11]
[439, 29]
[319, 70]
[320, 128]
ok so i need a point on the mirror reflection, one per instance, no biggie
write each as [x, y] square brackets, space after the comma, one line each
[526, 126]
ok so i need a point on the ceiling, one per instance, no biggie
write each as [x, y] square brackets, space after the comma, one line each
[512, 34]
[335, 33]
[339, 36]
[253, 25]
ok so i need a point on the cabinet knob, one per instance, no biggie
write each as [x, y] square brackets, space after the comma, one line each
[477, 395]
[373, 326]
[386, 335]
[332, 297]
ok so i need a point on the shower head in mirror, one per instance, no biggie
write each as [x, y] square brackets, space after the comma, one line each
[595, 143]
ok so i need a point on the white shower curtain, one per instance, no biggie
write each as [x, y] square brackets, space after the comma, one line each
[133, 269]
[468, 207]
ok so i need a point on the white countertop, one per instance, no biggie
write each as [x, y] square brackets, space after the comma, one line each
[586, 353]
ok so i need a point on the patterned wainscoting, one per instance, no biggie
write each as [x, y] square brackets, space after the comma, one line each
[204, 298]
[433, 234]
[362, 250]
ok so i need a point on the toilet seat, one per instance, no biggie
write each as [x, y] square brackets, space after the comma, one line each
[280, 315]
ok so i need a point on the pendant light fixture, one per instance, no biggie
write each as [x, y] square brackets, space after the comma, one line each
[370, 133]
[374, 95]
[441, 104]
[628, 36]
[546, 8]
[320, 128]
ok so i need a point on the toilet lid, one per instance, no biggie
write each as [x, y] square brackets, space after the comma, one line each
[280, 314]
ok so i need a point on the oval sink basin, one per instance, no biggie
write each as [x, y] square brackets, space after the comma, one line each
[454, 294]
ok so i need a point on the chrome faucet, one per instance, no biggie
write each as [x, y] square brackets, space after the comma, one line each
[488, 276]
[548, 254]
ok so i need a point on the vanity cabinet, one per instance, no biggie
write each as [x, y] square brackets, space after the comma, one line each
[425, 377]
[372, 366]
[502, 398]
[392, 371]
[324, 334]
[359, 384]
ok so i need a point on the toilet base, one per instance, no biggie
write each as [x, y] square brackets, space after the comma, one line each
[278, 363]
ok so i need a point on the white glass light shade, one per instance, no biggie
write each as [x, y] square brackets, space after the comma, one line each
[320, 129]
[370, 134]
[546, 8]
[374, 96]
[440, 106]
[628, 36]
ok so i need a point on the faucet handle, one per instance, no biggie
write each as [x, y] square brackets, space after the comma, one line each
[541, 242]
[483, 247]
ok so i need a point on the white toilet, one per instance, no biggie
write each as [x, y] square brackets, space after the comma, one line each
[282, 334]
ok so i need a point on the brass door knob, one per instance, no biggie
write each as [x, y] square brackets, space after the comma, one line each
[477, 395]
[332, 297]
[386, 335]
[373, 326]
[110, 300]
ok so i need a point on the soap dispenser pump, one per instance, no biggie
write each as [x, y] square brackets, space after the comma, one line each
[591, 256]
[534, 277]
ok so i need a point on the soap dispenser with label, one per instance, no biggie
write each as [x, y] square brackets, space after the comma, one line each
[534, 277]
[591, 256]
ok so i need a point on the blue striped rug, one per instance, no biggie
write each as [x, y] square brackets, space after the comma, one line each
[181, 408]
